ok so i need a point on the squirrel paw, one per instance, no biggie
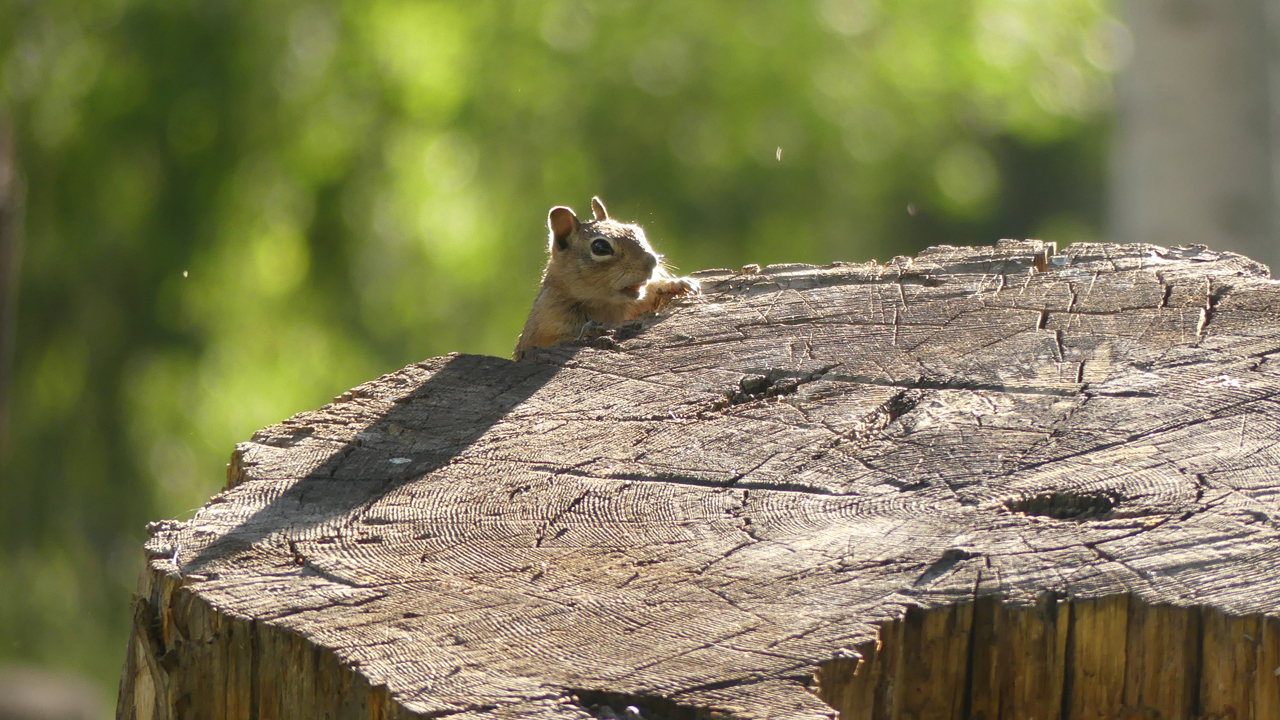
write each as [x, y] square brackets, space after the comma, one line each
[591, 330]
[675, 286]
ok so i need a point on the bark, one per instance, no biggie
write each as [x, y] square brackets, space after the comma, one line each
[979, 483]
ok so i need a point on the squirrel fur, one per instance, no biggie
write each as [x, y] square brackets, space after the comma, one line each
[599, 271]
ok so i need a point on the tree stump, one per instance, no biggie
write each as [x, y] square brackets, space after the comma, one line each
[991, 482]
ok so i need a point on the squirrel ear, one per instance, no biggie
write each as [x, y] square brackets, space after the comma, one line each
[597, 209]
[562, 223]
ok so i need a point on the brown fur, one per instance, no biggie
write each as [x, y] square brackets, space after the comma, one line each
[580, 286]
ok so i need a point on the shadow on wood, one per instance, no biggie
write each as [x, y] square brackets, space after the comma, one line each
[979, 449]
[448, 409]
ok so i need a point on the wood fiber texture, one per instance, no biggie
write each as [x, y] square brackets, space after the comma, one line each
[703, 510]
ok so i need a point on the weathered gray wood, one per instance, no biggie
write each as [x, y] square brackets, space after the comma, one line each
[709, 507]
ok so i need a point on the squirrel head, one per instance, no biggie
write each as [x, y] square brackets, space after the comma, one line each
[599, 260]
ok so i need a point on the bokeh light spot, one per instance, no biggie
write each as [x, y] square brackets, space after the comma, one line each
[967, 176]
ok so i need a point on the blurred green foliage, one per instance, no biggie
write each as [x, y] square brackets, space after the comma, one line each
[237, 210]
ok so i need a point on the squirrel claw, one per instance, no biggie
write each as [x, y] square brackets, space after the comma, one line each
[676, 286]
[689, 285]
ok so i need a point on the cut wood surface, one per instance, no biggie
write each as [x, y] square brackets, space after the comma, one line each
[945, 485]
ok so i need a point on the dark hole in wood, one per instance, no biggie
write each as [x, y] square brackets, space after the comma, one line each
[1067, 505]
[605, 705]
[901, 404]
[764, 385]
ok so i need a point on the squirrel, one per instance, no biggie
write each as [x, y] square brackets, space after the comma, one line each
[599, 271]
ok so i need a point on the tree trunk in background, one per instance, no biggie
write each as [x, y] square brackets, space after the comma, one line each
[11, 204]
[1196, 159]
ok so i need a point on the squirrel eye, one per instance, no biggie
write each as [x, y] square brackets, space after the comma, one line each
[600, 246]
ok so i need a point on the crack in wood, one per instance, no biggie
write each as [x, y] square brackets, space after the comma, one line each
[1116, 658]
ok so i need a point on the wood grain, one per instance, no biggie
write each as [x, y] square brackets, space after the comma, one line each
[1039, 481]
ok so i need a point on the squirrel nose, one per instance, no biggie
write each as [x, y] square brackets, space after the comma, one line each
[651, 261]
